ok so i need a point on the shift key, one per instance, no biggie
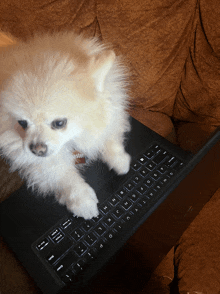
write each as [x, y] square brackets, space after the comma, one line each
[65, 263]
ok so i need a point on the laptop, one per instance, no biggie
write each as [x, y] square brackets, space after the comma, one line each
[62, 252]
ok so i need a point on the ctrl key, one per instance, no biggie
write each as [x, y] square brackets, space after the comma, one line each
[65, 263]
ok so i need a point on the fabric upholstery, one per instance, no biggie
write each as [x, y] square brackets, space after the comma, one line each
[155, 37]
[22, 18]
[198, 96]
[197, 254]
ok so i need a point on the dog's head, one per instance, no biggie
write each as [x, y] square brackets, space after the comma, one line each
[54, 100]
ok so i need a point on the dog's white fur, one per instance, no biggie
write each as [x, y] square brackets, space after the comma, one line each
[52, 77]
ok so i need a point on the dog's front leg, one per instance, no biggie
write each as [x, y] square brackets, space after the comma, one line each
[116, 157]
[77, 195]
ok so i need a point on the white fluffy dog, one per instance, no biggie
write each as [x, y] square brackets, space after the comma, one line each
[61, 93]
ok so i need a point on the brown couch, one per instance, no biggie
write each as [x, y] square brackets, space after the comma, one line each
[172, 50]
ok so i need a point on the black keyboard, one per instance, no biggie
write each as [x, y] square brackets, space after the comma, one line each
[71, 248]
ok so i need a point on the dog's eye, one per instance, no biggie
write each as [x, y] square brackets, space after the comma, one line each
[59, 124]
[23, 123]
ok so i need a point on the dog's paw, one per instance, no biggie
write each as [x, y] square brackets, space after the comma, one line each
[84, 204]
[121, 163]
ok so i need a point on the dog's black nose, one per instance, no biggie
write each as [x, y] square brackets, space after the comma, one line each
[39, 149]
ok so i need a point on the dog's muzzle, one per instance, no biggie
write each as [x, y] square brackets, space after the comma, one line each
[39, 149]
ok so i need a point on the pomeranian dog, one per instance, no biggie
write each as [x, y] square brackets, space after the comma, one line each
[59, 93]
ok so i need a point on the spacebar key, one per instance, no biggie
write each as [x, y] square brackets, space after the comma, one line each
[65, 263]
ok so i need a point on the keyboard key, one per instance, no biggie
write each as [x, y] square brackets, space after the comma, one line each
[97, 218]
[151, 193]
[133, 196]
[77, 234]
[129, 186]
[121, 193]
[42, 244]
[109, 221]
[135, 209]
[171, 173]
[110, 235]
[90, 238]
[149, 153]
[148, 182]
[118, 226]
[160, 157]
[152, 150]
[178, 165]
[126, 204]
[158, 187]
[142, 189]
[89, 255]
[142, 159]
[151, 165]
[51, 258]
[100, 229]
[137, 179]
[135, 165]
[155, 175]
[57, 252]
[143, 172]
[106, 208]
[65, 263]
[98, 246]
[80, 248]
[162, 169]
[170, 161]
[58, 237]
[54, 233]
[67, 277]
[87, 225]
[118, 212]
[156, 147]
[126, 218]
[114, 200]
[79, 266]
[143, 201]
[66, 223]
[164, 180]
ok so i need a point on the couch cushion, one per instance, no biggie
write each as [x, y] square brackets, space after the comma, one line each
[22, 18]
[197, 254]
[198, 98]
[154, 36]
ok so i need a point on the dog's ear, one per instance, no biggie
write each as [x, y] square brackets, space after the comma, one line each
[100, 67]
